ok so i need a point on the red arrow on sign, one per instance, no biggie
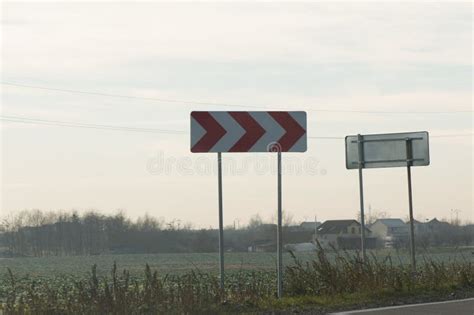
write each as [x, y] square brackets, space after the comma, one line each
[253, 132]
[214, 131]
[294, 131]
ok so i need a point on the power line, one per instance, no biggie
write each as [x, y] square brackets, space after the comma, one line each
[60, 123]
[453, 135]
[226, 104]
[37, 121]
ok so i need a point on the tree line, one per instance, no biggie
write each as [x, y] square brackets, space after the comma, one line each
[38, 233]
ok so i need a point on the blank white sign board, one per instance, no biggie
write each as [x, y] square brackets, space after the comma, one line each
[388, 150]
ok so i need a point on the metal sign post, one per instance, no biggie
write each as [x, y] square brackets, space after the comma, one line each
[388, 150]
[276, 131]
[221, 220]
[409, 152]
[279, 239]
[361, 195]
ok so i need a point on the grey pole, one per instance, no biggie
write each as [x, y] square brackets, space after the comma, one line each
[221, 222]
[409, 150]
[361, 192]
[279, 239]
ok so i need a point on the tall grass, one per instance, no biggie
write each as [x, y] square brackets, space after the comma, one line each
[197, 292]
[351, 273]
[120, 293]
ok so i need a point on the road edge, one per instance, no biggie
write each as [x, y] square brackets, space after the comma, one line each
[400, 307]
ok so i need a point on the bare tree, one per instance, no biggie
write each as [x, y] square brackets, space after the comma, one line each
[254, 222]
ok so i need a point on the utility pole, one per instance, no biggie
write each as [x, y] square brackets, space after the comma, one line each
[456, 211]
[370, 219]
[315, 224]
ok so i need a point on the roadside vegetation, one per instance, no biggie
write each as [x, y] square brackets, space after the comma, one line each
[320, 284]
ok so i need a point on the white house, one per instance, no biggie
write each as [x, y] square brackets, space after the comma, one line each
[391, 232]
[343, 234]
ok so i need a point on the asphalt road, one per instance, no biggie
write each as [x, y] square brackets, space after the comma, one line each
[459, 307]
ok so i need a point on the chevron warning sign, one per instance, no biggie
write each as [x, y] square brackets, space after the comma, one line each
[248, 132]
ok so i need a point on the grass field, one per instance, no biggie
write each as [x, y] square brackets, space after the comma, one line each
[188, 283]
[181, 263]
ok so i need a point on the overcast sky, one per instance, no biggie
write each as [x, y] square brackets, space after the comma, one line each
[393, 57]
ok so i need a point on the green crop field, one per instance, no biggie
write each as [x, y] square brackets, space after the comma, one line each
[185, 283]
[181, 263]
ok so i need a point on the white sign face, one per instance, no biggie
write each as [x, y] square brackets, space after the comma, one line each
[388, 150]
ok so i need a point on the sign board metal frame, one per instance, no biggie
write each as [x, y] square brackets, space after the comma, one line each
[275, 132]
[388, 150]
